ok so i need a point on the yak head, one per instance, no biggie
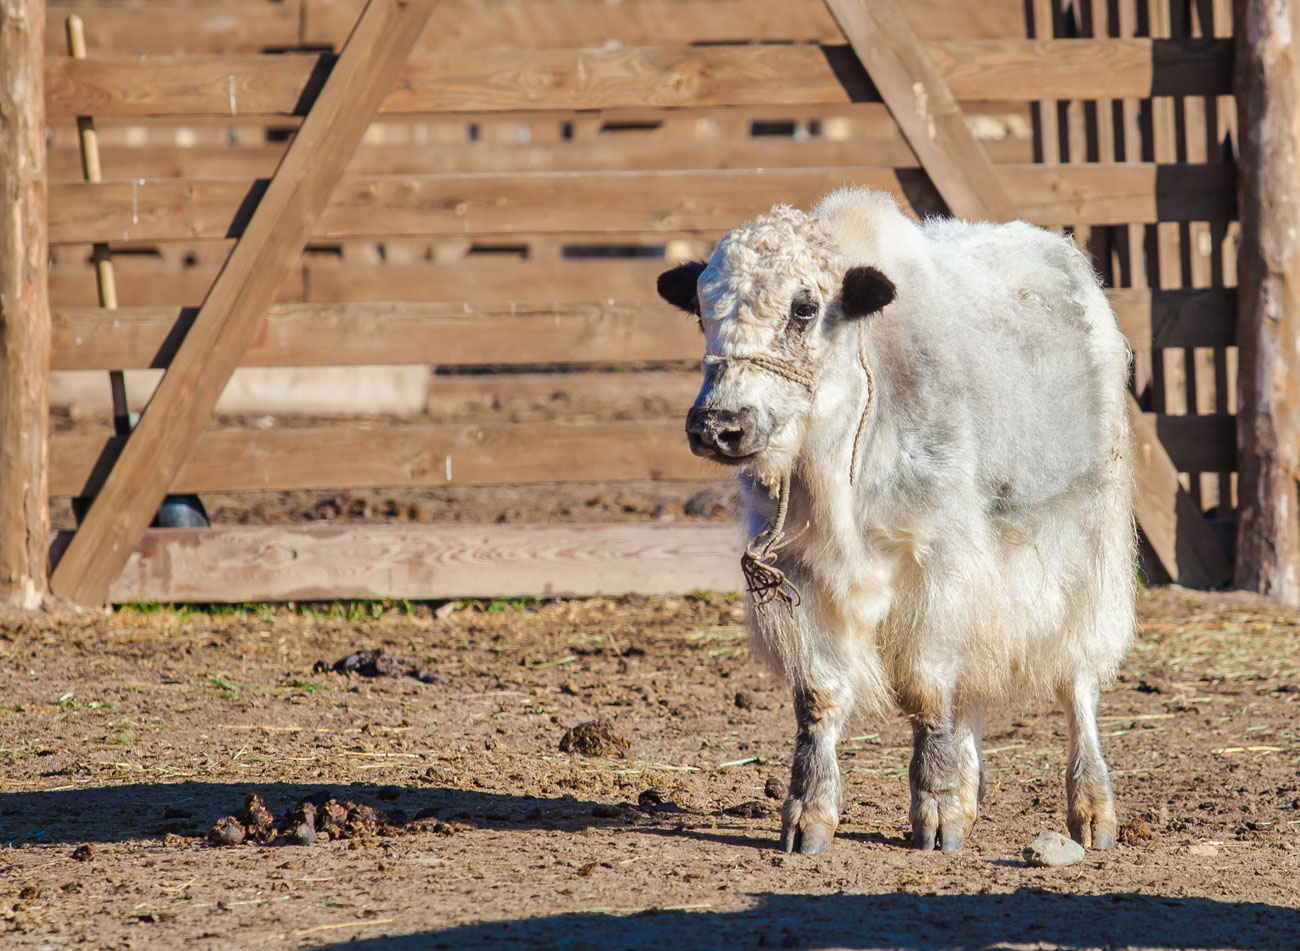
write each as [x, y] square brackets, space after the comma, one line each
[769, 302]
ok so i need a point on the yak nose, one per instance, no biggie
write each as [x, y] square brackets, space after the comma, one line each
[723, 432]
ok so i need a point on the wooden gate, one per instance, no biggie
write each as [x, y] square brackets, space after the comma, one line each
[652, 130]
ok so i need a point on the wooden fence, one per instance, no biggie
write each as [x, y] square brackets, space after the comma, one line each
[524, 179]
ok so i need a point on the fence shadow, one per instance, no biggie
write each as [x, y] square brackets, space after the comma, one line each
[151, 810]
[1026, 918]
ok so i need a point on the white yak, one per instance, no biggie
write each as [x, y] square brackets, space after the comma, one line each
[929, 422]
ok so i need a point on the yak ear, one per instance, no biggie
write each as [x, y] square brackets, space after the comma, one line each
[678, 286]
[865, 291]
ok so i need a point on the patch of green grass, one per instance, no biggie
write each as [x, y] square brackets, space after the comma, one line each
[310, 686]
[501, 605]
[228, 688]
[69, 702]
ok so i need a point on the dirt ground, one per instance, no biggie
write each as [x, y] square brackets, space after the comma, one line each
[126, 737]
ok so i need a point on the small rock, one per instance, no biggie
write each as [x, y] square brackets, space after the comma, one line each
[84, 853]
[1052, 850]
[746, 699]
[445, 610]
[29, 893]
[1203, 849]
[303, 834]
[227, 831]
[774, 788]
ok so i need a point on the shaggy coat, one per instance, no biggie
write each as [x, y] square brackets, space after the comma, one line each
[946, 403]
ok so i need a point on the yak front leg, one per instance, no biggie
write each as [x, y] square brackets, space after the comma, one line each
[939, 815]
[1091, 805]
[812, 808]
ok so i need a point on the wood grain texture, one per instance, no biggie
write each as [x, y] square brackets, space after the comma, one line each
[326, 562]
[540, 331]
[1268, 321]
[345, 456]
[219, 26]
[24, 309]
[278, 229]
[570, 23]
[635, 77]
[593, 202]
[393, 333]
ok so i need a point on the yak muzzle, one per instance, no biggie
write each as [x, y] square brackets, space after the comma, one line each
[724, 434]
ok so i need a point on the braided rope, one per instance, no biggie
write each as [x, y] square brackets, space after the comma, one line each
[765, 582]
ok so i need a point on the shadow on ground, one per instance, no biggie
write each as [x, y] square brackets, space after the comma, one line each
[152, 810]
[1028, 918]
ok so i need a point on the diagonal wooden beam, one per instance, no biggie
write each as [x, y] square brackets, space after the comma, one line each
[294, 199]
[931, 121]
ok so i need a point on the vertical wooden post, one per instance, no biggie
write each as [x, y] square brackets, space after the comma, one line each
[24, 307]
[1267, 87]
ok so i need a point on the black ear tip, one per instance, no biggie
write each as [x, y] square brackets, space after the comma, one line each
[677, 285]
[866, 290]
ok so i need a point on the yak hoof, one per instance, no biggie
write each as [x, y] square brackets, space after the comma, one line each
[927, 834]
[1093, 832]
[802, 832]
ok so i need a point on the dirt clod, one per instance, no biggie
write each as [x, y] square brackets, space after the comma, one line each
[83, 853]
[1136, 832]
[372, 662]
[594, 738]
[29, 893]
[774, 788]
[746, 699]
[754, 809]
[227, 831]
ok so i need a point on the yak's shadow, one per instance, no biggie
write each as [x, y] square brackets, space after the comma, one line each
[1027, 918]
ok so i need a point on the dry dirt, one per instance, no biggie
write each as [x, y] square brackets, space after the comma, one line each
[458, 821]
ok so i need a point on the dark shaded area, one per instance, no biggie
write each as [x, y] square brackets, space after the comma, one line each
[1027, 917]
[155, 810]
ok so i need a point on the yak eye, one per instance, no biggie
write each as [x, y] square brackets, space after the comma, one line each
[803, 308]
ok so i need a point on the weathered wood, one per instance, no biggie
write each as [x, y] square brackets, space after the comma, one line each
[601, 330]
[24, 309]
[607, 152]
[1268, 319]
[225, 324]
[220, 26]
[532, 24]
[925, 109]
[592, 202]
[358, 455]
[392, 333]
[326, 562]
[919, 99]
[768, 75]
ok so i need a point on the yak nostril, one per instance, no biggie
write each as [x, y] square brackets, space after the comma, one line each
[729, 440]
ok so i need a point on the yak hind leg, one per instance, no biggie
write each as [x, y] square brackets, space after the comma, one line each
[812, 807]
[1090, 814]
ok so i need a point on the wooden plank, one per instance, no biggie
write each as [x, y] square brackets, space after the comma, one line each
[279, 228]
[358, 455]
[926, 112]
[393, 333]
[326, 562]
[353, 456]
[592, 202]
[1190, 317]
[636, 77]
[606, 152]
[541, 331]
[24, 310]
[565, 23]
[219, 26]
